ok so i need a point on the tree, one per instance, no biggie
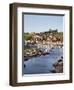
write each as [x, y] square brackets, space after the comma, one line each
[53, 31]
[27, 36]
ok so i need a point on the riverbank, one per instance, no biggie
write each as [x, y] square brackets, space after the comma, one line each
[35, 54]
[38, 50]
[44, 63]
[58, 66]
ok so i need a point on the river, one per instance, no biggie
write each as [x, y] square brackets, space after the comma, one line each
[42, 64]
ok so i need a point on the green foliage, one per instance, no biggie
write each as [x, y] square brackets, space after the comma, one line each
[53, 31]
[27, 36]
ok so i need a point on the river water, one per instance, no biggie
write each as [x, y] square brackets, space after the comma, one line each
[42, 64]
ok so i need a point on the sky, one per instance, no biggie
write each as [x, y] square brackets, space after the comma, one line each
[41, 23]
